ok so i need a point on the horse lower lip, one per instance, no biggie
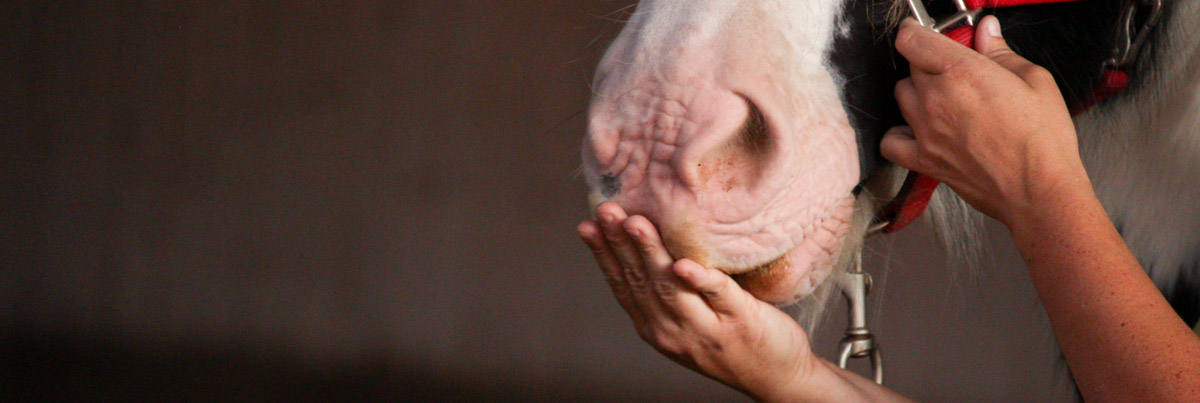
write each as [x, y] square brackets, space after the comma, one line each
[759, 269]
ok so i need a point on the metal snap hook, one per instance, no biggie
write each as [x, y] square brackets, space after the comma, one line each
[859, 342]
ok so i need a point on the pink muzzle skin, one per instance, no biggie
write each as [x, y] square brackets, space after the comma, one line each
[728, 184]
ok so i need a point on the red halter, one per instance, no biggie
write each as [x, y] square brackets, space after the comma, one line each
[918, 189]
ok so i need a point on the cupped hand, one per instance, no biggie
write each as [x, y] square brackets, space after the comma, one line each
[695, 315]
[988, 123]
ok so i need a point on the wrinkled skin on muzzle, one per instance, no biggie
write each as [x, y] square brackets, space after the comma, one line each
[721, 122]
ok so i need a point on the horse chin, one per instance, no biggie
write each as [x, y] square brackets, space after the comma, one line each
[797, 273]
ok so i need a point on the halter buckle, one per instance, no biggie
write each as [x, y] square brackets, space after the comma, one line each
[964, 16]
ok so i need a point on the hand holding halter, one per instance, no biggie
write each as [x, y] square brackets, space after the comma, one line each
[907, 206]
[917, 190]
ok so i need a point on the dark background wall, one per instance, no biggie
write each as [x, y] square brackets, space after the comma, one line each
[365, 200]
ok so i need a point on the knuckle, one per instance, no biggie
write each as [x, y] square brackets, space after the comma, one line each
[960, 72]
[666, 342]
[614, 238]
[618, 285]
[924, 150]
[665, 289]
[1000, 54]
[712, 345]
[716, 291]
[634, 277]
[933, 107]
[653, 335]
[753, 335]
[647, 248]
[904, 38]
[1037, 73]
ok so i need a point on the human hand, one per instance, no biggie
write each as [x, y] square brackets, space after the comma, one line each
[698, 316]
[990, 124]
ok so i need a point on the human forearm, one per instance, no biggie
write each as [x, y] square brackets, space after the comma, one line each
[850, 387]
[826, 382]
[1119, 335]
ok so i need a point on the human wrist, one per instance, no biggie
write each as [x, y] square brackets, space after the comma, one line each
[797, 387]
[1046, 186]
[1051, 204]
[820, 382]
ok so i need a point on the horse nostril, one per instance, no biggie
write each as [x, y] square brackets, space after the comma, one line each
[754, 136]
[740, 159]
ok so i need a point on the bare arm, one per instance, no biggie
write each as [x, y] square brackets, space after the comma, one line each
[993, 126]
[1121, 338]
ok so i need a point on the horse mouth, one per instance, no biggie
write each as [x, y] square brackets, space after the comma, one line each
[764, 281]
[756, 270]
[797, 272]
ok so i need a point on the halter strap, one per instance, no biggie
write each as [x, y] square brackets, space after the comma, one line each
[975, 4]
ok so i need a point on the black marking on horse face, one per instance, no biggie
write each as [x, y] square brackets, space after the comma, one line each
[609, 185]
[866, 63]
[1071, 40]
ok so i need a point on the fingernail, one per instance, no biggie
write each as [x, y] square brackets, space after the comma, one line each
[993, 28]
[635, 233]
[606, 219]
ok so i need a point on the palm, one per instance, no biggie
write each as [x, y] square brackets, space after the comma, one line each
[695, 315]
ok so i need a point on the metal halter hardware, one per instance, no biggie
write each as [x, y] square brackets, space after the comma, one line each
[964, 15]
[859, 342]
[1129, 41]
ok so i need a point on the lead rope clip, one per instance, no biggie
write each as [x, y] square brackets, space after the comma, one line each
[859, 342]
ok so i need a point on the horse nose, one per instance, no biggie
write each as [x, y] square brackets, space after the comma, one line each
[716, 143]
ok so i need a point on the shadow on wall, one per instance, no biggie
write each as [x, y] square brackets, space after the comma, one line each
[56, 367]
[309, 200]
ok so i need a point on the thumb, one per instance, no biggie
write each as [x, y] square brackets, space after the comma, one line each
[900, 147]
[990, 42]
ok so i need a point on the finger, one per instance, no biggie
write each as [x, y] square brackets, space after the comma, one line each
[611, 217]
[909, 101]
[717, 288]
[593, 236]
[990, 42]
[900, 147]
[668, 287]
[927, 51]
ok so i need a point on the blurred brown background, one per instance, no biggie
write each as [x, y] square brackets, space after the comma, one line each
[364, 201]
